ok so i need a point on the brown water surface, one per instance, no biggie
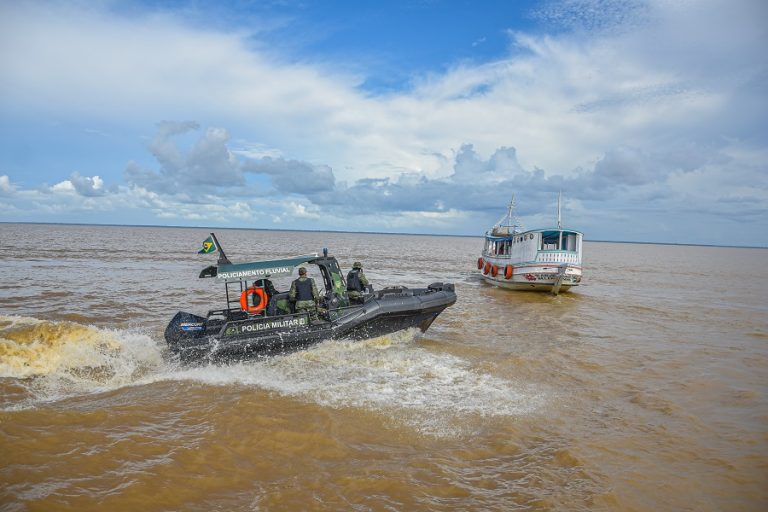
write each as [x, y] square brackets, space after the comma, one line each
[646, 388]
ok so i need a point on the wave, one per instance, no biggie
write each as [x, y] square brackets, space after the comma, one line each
[52, 360]
[409, 383]
[435, 393]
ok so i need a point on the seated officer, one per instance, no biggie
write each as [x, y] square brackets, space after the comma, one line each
[270, 290]
[304, 293]
[356, 283]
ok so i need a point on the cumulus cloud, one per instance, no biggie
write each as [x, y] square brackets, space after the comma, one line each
[65, 187]
[476, 184]
[623, 70]
[292, 176]
[87, 186]
[208, 164]
[652, 105]
[6, 187]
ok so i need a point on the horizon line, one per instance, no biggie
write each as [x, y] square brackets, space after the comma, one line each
[357, 232]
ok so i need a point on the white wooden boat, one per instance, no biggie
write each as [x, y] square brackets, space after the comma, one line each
[547, 259]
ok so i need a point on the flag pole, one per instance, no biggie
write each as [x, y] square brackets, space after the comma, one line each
[223, 260]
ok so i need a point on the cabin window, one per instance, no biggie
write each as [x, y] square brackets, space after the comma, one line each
[570, 241]
[550, 240]
[559, 241]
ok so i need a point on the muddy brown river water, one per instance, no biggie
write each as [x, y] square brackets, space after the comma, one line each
[646, 388]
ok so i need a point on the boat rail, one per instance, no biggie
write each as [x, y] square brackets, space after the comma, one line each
[558, 256]
[238, 315]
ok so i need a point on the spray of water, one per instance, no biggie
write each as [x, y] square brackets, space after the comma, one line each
[432, 392]
[391, 374]
[53, 360]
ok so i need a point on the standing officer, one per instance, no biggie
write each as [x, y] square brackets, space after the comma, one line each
[304, 293]
[356, 283]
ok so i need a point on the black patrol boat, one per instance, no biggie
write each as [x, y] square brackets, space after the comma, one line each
[260, 321]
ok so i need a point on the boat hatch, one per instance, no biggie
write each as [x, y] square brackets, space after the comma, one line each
[559, 241]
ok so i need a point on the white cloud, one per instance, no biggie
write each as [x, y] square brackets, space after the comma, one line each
[563, 101]
[645, 103]
[300, 211]
[208, 164]
[65, 187]
[291, 176]
[87, 186]
[6, 187]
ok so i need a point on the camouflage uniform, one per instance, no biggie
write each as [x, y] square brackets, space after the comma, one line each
[304, 293]
[357, 283]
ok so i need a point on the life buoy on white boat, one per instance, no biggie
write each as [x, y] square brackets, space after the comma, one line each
[508, 272]
[487, 267]
[260, 305]
[494, 270]
[479, 263]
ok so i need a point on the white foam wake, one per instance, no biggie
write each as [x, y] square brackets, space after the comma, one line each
[408, 383]
[433, 392]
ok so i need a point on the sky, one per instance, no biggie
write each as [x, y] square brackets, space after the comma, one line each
[405, 116]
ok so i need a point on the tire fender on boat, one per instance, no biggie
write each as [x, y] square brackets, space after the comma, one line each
[487, 267]
[479, 263]
[258, 307]
[494, 270]
[508, 272]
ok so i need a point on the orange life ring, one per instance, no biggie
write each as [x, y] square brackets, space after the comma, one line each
[487, 267]
[479, 263]
[494, 270]
[508, 272]
[259, 306]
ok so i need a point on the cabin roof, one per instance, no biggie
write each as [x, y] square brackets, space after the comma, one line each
[540, 230]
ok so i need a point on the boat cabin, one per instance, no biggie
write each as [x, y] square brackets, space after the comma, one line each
[553, 244]
[255, 288]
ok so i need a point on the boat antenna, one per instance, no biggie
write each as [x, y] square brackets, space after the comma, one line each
[559, 196]
[223, 260]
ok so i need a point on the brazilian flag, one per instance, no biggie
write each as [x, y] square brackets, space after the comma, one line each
[209, 246]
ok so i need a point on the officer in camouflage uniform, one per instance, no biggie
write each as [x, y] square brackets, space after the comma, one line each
[304, 293]
[356, 283]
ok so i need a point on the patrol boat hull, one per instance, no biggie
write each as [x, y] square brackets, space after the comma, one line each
[231, 335]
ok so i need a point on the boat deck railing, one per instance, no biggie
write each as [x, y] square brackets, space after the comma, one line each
[558, 256]
[238, 315]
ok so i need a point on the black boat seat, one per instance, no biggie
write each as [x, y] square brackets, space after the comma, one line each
[236, 314]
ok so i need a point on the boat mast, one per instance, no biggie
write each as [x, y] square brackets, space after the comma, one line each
[559, 224]
[508, 221]
[223, 260]
[511, 213]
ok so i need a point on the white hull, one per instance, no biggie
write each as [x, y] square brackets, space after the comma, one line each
[536, 277]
